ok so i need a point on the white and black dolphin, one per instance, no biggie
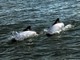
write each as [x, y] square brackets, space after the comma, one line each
[57, 27]
[26, 33]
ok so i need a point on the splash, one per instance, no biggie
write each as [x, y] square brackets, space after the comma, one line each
[67, 27]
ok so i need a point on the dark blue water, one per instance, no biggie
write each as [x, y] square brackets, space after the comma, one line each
[15, 15]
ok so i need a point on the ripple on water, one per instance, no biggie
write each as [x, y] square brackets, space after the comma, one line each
[16, 15]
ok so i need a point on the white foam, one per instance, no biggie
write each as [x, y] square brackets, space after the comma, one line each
[45, 30]
[67, 27]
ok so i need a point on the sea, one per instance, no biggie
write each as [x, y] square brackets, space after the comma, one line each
[16, 15]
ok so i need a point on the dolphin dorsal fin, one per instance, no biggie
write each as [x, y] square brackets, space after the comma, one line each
[57, 21]
[28, 28]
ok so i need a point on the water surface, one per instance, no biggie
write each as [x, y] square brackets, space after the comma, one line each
[15, 15]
